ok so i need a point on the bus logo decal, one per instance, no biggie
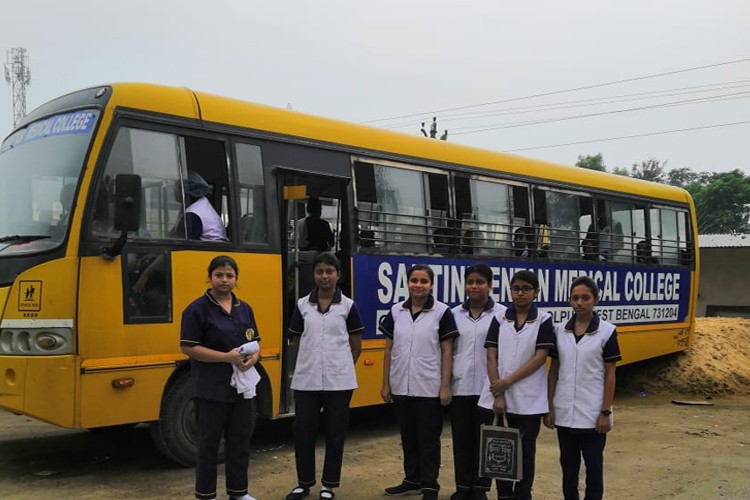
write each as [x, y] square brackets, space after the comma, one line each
[30, 296]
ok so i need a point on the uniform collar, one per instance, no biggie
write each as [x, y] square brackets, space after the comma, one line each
[313, 299]
[428, 304]
[590, 330]
[235, 300]
[511, 314]
[487, 307]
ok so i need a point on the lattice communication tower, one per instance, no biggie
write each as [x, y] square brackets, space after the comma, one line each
[18, 75]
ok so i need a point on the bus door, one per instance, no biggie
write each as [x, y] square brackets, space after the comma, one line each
[314, 216]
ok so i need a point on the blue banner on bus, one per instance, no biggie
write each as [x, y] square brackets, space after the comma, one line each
[78, 122]
[630, 295]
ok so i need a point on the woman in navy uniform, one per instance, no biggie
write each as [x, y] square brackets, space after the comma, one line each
[582, 388]
[214, 326]
[517, 346]
[416, 379]
[327, 329]
[473, 319]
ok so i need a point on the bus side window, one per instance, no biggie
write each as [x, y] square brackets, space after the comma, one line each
[146, 286]
[557, 215]
[253, 222]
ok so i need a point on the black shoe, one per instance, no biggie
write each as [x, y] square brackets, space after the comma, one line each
[403, 489]
[296, 494]
[430, 495]
[461, 495]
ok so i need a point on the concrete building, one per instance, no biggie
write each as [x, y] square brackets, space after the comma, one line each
[724, 288]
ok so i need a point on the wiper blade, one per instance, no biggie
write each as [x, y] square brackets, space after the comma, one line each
[17, 238]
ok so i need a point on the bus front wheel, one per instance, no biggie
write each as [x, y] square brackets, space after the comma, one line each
[175, 434]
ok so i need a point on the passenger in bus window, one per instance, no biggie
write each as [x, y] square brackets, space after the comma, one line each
[582, 388]
[314, 232]
[523, 242]
[416, 378]
[67, 192]
[517, 344]
[473, 319]
[202, 221]
[590, 244]
[643, 253]
[444, 237]
[220, 335]
[326, 331]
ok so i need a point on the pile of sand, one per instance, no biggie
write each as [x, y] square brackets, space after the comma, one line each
[718, 363]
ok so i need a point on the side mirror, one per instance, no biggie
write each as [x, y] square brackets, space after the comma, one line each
[127, 202]
[127, 211]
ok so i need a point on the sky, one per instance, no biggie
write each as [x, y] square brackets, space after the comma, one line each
[475, 65]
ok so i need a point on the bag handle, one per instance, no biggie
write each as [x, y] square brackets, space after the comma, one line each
[496, 420]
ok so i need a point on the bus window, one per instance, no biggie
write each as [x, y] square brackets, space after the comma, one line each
[491, 213]
[396, 217]
[168, 189]
[627, 227]
[669, 239]
[682, 235]
[558, 217]
[146, 286]
[253, 228]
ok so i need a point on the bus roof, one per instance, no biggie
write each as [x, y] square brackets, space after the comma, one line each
[180, 101]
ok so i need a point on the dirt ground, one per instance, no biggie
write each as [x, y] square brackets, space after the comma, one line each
[657, 450]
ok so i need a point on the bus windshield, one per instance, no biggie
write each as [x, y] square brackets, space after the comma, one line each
[40, 166]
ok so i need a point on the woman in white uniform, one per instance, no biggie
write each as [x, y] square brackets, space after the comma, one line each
[581, 390]
[327, 327]
[473, 319]
[416, 379]
[517, 346]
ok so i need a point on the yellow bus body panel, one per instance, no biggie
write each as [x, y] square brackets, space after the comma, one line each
[369, 371]
[42, 386]
[149, 352]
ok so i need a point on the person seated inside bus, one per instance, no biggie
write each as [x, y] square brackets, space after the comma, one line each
[366, 238]
[643, 253]
[67, 192]
[202, 222]
[314, 232]
[590, 245]
[524, 242]
[444, 238]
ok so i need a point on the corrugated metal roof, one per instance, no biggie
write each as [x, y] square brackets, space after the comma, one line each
[723, 240]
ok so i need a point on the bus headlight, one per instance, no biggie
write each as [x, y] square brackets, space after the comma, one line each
[29, 341]
[47, 341]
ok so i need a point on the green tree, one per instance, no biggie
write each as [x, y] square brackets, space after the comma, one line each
[592, 162]
[682, 177]
[621, 171]
[649, 170]
[722, 202]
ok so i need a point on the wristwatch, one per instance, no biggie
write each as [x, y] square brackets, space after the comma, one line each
[606, 413]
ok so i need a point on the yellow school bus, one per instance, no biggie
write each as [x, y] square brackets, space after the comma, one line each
[96, 265]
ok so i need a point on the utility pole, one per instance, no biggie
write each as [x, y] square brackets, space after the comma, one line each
[18, 75]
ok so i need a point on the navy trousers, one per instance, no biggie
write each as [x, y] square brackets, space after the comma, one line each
[235, 422]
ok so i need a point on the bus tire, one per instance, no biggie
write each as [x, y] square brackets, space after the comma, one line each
[175, 434]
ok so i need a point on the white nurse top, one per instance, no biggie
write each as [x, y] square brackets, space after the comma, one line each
[516, 345]
[580, 385]
[416, 356]
[469, 375]
[324, 359]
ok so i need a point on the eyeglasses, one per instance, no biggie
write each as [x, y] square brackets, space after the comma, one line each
[522, 289]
